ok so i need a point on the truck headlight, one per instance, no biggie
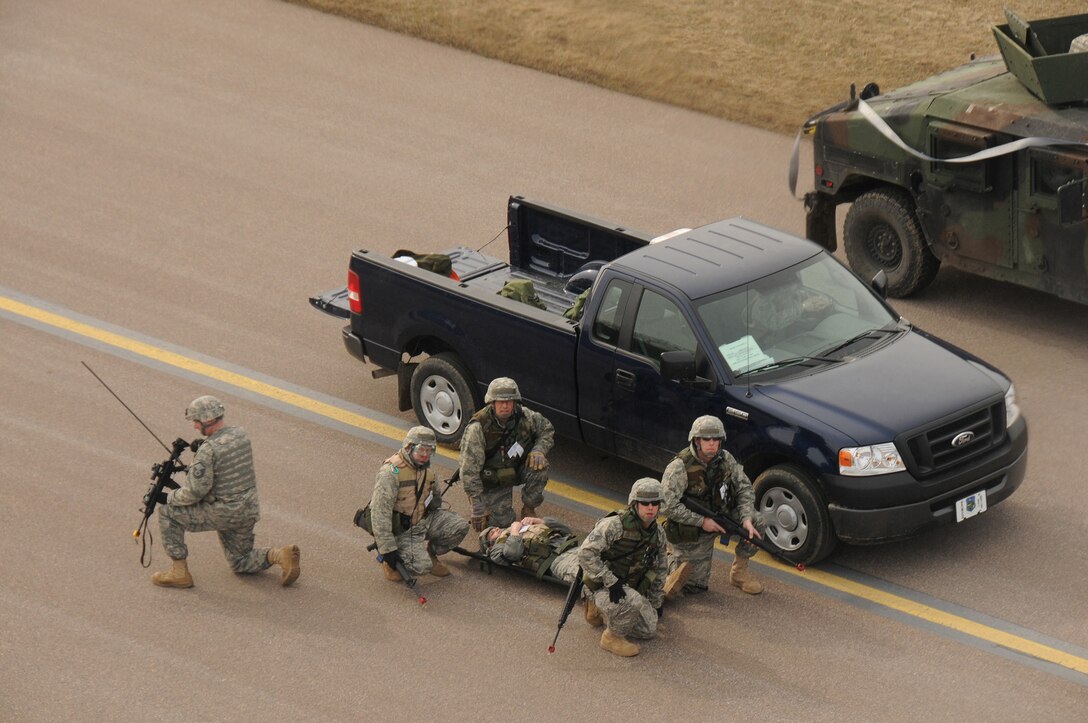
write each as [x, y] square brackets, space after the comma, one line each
[870, 460]
[1012, 410]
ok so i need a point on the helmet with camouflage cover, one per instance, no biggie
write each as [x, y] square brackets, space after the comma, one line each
[707, 427]
[646, 489]
[485, 541]
[501, 390]
[204, 409]
[420, 435]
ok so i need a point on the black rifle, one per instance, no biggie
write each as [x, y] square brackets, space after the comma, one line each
[401, 570]
[573, 593]
[161, 473]
[732, 527]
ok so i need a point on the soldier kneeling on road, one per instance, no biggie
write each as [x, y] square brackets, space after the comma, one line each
[219, 494]
[504, 445]
[711, 475]
[405, 514]
[623, 559]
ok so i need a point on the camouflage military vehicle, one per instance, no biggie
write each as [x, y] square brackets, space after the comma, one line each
[982, 168]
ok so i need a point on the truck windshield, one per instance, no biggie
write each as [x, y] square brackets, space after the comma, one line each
[804, 314]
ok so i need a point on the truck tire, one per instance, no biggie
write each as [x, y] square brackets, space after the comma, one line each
[881, 231]
[797, 519]
[442, 395]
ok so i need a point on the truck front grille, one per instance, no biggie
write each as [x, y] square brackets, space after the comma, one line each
[932, 451]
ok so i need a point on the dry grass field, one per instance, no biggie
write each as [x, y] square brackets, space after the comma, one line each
[766, 64]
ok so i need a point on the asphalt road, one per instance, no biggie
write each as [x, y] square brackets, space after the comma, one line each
[178, 178]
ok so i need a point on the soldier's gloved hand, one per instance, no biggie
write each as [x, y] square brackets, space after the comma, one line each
[391, 558]
[162, 498]
[479, 516]
[616, 592]
[537, 461]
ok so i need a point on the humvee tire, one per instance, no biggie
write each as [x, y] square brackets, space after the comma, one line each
[881, 231]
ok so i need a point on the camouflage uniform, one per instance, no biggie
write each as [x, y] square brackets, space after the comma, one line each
[636, 614]
[536, 549]
[431, 529]
[686, 539]
[776, 309]
[482, 473]
[220, 494]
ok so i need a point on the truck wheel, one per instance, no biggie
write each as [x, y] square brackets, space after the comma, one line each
[882, 232]
[796, 516]
[442, 396]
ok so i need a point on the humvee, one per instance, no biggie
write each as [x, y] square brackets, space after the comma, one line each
[982, 168]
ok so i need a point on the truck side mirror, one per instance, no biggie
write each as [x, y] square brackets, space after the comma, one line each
[1071, 207]
[678, 366]
[880, 284]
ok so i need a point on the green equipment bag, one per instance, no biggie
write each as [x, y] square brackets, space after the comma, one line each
[578, 307]
[522, 290]
[438, 263]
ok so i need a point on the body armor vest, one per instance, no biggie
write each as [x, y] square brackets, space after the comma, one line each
[499, 469]
[542, 545]
[704, 484]
[631, 558]
[415, 488]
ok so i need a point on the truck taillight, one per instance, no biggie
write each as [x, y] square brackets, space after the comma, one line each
[355, 299]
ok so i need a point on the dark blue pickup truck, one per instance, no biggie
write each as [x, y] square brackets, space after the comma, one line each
[853, 424]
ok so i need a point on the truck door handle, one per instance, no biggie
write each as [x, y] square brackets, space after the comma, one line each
[625, 379]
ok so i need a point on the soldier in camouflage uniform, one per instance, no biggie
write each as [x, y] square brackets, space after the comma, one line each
[504, 446]
[623, 559]
[220, 494]
[405, 513]
[781, 302]
[707, 472]
[545, 546]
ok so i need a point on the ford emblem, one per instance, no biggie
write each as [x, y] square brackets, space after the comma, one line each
[962, 438]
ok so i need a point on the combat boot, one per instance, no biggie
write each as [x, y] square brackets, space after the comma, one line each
[674, 583]
[438, 568]
[617, 644]
[177, 576]
[390, 572]
[593, 613]
[740, 577]
[288, 559]
[527, 511]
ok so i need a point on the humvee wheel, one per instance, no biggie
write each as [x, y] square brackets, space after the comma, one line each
[882, 232]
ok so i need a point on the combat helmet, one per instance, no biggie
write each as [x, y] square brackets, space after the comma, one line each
[420, 435]
[646, 489]
[484, 541]
[502, 389]
[707, 427]
[204, 409]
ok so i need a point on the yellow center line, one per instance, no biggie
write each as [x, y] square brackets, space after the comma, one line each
[329, 411]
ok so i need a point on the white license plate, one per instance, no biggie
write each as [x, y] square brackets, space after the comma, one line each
[970, 506]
